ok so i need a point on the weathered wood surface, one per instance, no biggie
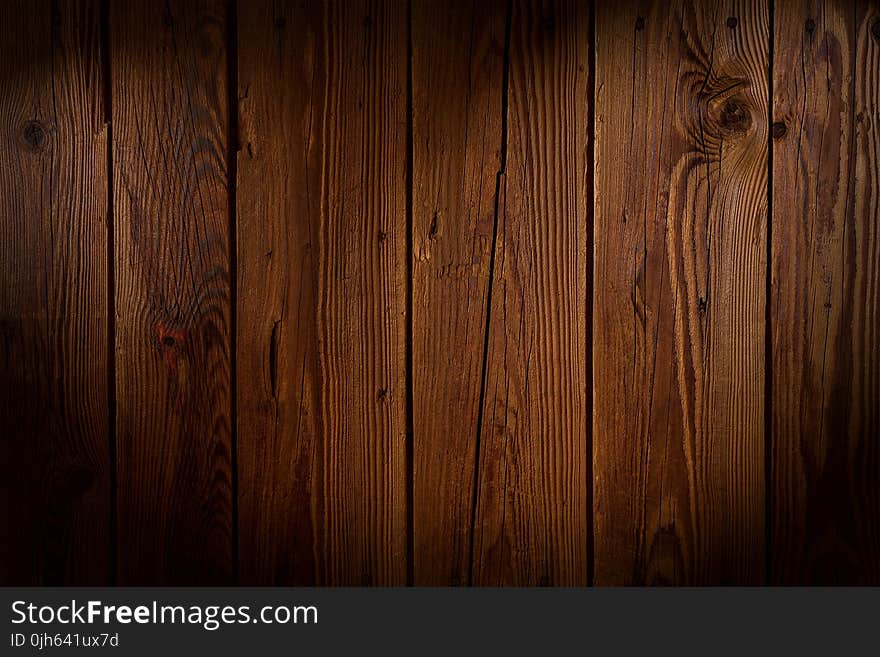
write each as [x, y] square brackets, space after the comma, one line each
[322, 298]
[531, 518]
[173, 344]
[826, 311]
[54, 384]
[457, 79]
[679, 300]
[502, 292]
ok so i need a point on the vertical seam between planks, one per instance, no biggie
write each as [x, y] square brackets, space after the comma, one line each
[505, 89]
[591, 237]
[232, 147]
[768, 326]
[109, 227]
[410, 431]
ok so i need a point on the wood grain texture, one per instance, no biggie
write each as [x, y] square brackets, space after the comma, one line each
[173, 351]
[322, 256]
[281, 76]
[680, 266]
[457, 69]
[54, 408]
[825, 304]
[531, 513]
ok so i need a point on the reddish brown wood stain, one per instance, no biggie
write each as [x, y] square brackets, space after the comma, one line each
[386, 292]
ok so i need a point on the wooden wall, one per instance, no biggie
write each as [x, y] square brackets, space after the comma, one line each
[388, 292]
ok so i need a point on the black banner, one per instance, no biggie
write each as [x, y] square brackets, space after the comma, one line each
[142, 621]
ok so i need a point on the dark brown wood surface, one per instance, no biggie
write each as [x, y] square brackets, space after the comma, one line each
[531, 515]
[322, 298]
[54, 401]
[680, 265]
[173, 340]
[458, 98]
[476, 292]
[826, 310]
[280, 84]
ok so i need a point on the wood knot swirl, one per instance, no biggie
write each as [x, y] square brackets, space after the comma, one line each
[734, 117]
[34, 136]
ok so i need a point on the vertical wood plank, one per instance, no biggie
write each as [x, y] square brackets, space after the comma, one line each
[531, 516]
[173, 346]
[322, 256]
[281, 69]
[825, 307]
[54, 408]
[457, 69]
[680, 279]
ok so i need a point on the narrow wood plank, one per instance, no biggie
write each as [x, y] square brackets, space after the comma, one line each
[281, 69]
[680, 279]
[457, 71]
[322, 255]
[531, 522]
[54, 408]
[825, 303]
[173, 346]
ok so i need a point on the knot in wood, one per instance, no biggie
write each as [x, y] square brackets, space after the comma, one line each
[734, 117]
[732, 22]
[778, 129]
[810, 25]
[34, 136]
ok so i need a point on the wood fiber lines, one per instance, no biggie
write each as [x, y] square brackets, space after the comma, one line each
[440, 293]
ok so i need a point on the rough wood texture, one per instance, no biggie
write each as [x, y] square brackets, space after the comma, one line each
[825, 306]
[531, 519]
[322, 204]
[281, 80]
[374, 310]
[680, 266]
[54, 408]
[457, 70]
[173, 351]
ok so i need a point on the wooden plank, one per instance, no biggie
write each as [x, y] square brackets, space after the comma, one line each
[680, 279]
[825, 306]
[173, 348]
[457, 71]
[281, 69]
[322, 256]
[531, 517]
[54, 402]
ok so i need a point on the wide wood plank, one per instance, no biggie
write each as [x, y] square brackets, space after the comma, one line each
[322, 255]
[457, 74]
[825, 302]
[173, 349]
[680, 266]
[54, 401]
[531, 520]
